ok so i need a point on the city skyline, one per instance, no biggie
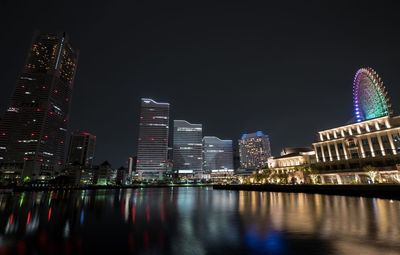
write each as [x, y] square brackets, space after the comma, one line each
[200, 127]
[256, 84]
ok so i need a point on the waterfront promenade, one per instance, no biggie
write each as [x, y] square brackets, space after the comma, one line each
[387, 191]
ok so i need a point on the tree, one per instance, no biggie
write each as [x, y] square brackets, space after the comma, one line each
[283, 178]
[309, 173]
[372, 172]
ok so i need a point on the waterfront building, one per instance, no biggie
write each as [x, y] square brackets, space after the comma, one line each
[254, 150]
[187, 148]
[373, 139]
[350, 148]
[34, 128]
[294, 162]
[81, 149]
[217, 157]
[153, 139]
[292, 158]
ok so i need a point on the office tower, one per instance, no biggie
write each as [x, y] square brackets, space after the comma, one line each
[81, 149]
[254, 150]
[217, 155]
[34, 128]
[153, 139]
[187, 148]
[131, 165]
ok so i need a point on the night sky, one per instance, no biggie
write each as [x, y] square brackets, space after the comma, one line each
[283, 67]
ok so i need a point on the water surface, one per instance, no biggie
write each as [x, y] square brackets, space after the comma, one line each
[196, 221]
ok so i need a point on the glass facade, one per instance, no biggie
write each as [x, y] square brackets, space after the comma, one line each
[187, 147]
[217, 155]
[153, 139]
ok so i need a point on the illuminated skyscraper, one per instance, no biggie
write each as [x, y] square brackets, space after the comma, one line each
[217, 155]
[153, 139]
[34, 128]
[254, 150]
[81, 149]
[187, 148]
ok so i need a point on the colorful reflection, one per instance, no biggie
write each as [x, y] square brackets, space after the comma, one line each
[195, 221]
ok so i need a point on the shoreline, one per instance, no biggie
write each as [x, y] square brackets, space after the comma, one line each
[385, 191]
[8, 189]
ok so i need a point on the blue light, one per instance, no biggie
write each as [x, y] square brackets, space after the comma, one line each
[259, 133]
[267, 243]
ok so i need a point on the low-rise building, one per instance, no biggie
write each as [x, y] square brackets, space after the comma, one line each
[292, 163]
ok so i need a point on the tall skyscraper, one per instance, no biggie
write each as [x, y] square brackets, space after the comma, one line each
[217, 155]
[254, 150]
[187, 148]
[34, 128]
[153, 139]
[81, 149]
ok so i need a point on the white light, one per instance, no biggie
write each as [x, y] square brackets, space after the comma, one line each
[27, 78]
[185, 171]
[13, 109]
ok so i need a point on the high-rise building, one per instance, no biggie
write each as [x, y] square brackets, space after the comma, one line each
[81, 149]
[153, 139]
[254, 150]
[34, 128]
[217, 155]
[187, 148]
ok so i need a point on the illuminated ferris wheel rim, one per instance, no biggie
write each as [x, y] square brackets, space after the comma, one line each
[375, 84]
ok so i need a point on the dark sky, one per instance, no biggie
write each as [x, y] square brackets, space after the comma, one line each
[284, 67]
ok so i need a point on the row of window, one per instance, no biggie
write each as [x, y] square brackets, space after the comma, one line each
[362, 129]
[354, 149]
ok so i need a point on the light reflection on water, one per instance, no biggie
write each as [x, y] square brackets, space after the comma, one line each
[196, 221]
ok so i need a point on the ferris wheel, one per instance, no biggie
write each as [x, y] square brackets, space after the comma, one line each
[370, 96]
